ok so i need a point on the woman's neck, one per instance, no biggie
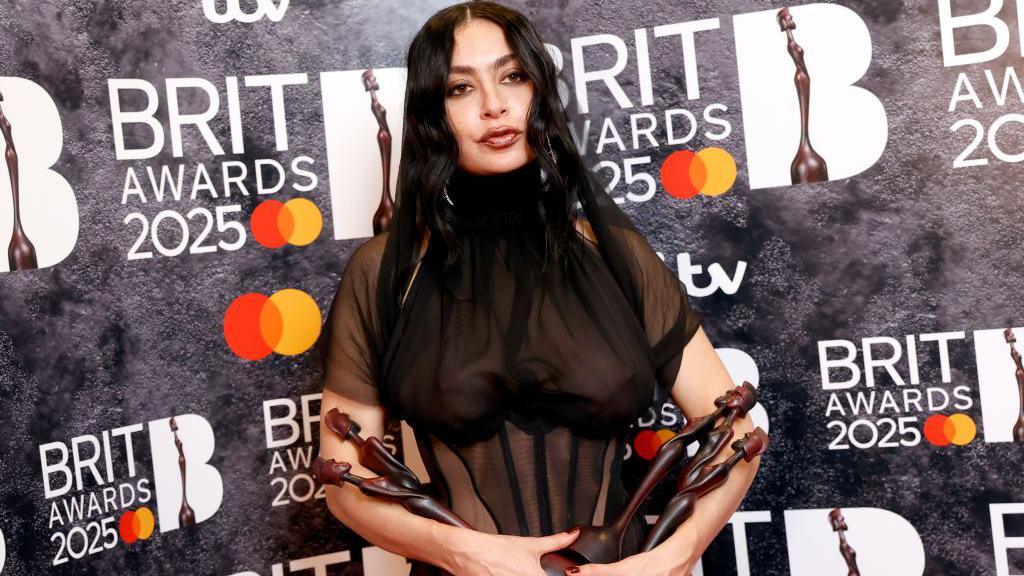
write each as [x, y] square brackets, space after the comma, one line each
[508, 198]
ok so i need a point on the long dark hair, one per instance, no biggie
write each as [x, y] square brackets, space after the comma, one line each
[430, 150]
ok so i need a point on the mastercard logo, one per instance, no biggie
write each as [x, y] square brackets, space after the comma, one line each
[942, 430]
[286, 322]
[711, 171]
[297, 222]
[136, 525]
[647, 442]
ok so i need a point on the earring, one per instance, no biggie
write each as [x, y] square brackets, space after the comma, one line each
[447, 197]
[551, 150]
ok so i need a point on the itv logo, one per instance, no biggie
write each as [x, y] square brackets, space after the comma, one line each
[273, 10]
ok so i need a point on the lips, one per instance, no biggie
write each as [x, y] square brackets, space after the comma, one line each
[500, 137]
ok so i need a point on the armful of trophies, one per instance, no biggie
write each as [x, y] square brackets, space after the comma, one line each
[602, 544]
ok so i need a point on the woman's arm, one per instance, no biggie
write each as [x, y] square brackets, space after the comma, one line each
[702, 378]
[393, 528]
[349, 386]
[385, 524]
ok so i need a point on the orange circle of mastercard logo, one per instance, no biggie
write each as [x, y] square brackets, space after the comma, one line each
[647, 442]
[297, 222]
[136, 525]
[287, 322]
[942, 430]
[711, 171]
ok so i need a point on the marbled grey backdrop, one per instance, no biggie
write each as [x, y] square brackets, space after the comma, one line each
[908, 247]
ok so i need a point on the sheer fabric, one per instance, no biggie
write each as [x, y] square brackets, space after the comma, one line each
[520, 391]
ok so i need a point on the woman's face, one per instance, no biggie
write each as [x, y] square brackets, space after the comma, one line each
[487, 99]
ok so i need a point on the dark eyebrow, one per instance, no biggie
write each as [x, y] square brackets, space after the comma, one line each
[494, 65]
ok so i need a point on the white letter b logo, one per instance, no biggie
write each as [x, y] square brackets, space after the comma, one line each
[847, 124]
[203, 488]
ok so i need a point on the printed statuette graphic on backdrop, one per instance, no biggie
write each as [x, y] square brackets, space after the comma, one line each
[808, 165]
[886, 543]
[21, 254]
[186, 516]
[1018, 373]
[385, 210]
[38, 210]
[1001, 383]
[361, 200]
[849, 555]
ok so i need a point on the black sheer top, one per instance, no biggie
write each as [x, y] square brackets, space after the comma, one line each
[520, 392]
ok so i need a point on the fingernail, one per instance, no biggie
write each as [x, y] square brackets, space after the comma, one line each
[573, 569]
[573, 531]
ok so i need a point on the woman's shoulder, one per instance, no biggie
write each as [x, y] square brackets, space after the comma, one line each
[366, 258]
[368, 255]
[373, 246]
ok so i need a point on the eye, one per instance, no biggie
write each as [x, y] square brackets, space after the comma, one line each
[458, 89]
[516, 76]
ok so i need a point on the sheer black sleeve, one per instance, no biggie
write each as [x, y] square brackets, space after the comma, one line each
[352, 333]
[668, 319]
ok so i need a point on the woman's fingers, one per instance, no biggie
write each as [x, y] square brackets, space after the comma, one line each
[544, 544]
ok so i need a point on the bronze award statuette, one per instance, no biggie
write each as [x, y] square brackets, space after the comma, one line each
[835, 517]
[397, 482]
[1018, 428]
[602, 544]
[385, 210]
[681, 507]
[698, 477]
[186, 516]
[21, 254]
[807, 166]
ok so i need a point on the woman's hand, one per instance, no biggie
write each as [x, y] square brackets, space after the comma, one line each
[675, 557]
[646, 563]
[483, 554]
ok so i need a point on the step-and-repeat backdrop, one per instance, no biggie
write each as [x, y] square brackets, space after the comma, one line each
[837, 187]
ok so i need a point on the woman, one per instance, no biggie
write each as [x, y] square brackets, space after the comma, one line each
[517, 336]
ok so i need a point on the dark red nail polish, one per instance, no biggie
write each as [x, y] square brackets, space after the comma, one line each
[573, 569]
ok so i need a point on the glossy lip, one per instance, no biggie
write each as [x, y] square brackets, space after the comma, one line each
[505, 136]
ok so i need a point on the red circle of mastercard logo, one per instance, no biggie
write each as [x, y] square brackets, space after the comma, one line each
[286, 322]
[711, 171]
[135, 525]
[297, 222]
[647, 442]
[942, 430]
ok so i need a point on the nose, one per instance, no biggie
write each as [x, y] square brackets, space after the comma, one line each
[493, 105]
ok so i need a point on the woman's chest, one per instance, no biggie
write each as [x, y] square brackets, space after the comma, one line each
[569, 351]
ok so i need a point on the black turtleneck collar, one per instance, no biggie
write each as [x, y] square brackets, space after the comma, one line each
[506, 200]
